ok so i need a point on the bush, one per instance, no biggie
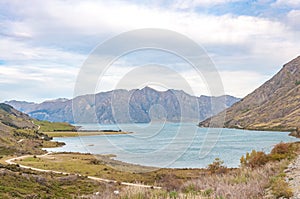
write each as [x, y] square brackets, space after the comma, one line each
[170, 182]
[254, 159]
[281, 148]
[280, 188]
[282, 151]
[217, 167]
[96, 162]
[173, 194]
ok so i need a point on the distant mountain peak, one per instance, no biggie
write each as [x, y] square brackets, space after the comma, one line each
[57, 100]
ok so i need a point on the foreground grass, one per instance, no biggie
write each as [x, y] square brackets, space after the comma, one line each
[23, 183]
[105, 167]
[261, 175]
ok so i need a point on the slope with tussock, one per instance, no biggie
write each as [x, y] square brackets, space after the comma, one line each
[274, 106]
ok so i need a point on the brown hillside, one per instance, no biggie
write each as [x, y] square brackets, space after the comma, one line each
[273, 106]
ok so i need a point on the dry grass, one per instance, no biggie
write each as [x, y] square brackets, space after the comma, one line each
[246, 182]
[242, 183]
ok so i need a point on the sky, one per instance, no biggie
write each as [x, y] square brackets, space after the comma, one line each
[44, 44]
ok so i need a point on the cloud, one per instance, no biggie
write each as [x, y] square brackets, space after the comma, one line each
[289, 3]
[241, 83]
[190, 4]
[57, 20]
[57, 36]
[293, 18]
[20, 52]
[34, 83]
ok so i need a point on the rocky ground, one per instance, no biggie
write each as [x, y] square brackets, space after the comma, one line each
[293, 177]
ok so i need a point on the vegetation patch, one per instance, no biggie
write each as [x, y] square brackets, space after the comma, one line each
[31, 184]
[47, 126]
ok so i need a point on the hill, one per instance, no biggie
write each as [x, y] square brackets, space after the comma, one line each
[125, 106]
[273, 106]
[11, 118]
[21, 134]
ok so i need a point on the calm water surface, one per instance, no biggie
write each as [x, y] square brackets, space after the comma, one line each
[173, 145]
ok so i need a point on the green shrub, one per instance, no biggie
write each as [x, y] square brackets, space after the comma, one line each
[173, 194]
[207, 192]
[280, 188]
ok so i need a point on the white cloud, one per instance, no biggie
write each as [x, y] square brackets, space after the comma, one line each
[100, 17]
[290, 3]
[293, 18]
[53, 34]
[35, 83]
[188, 4]
[22, 52]
[241, 83]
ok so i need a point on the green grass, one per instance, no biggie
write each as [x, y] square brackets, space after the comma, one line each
[87, 164]
[21, 183]
[46, 126]
[4, 151]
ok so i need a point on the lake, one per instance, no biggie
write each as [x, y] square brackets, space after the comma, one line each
[173, 145]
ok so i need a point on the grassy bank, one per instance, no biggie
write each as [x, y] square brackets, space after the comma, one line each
[104, 167]
[47, 126]
[23, 183]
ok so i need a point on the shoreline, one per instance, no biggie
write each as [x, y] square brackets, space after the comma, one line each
[84, 133]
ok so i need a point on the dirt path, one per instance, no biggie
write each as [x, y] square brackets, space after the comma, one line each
[293, 177]
[11, 161]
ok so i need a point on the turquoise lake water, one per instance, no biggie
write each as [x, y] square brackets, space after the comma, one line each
[173, 145]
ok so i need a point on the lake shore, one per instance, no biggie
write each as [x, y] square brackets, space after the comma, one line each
[83, 133]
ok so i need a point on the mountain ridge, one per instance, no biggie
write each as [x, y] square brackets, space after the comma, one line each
[123, 106]
[275, 105]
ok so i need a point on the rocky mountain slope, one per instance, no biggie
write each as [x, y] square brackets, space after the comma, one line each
[122, 106]
[275, 105]
[11, 118]
[16, 126]
[20, 134]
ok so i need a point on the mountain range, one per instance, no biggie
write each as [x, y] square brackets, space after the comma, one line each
[273, 106]
[123, 106]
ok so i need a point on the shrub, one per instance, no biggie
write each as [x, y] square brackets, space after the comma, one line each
[280, 188]
[217, 167]
[95, 161]
[170, 182]
[281, 148]
[173, 194]
[282, 151]
[254, 159]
